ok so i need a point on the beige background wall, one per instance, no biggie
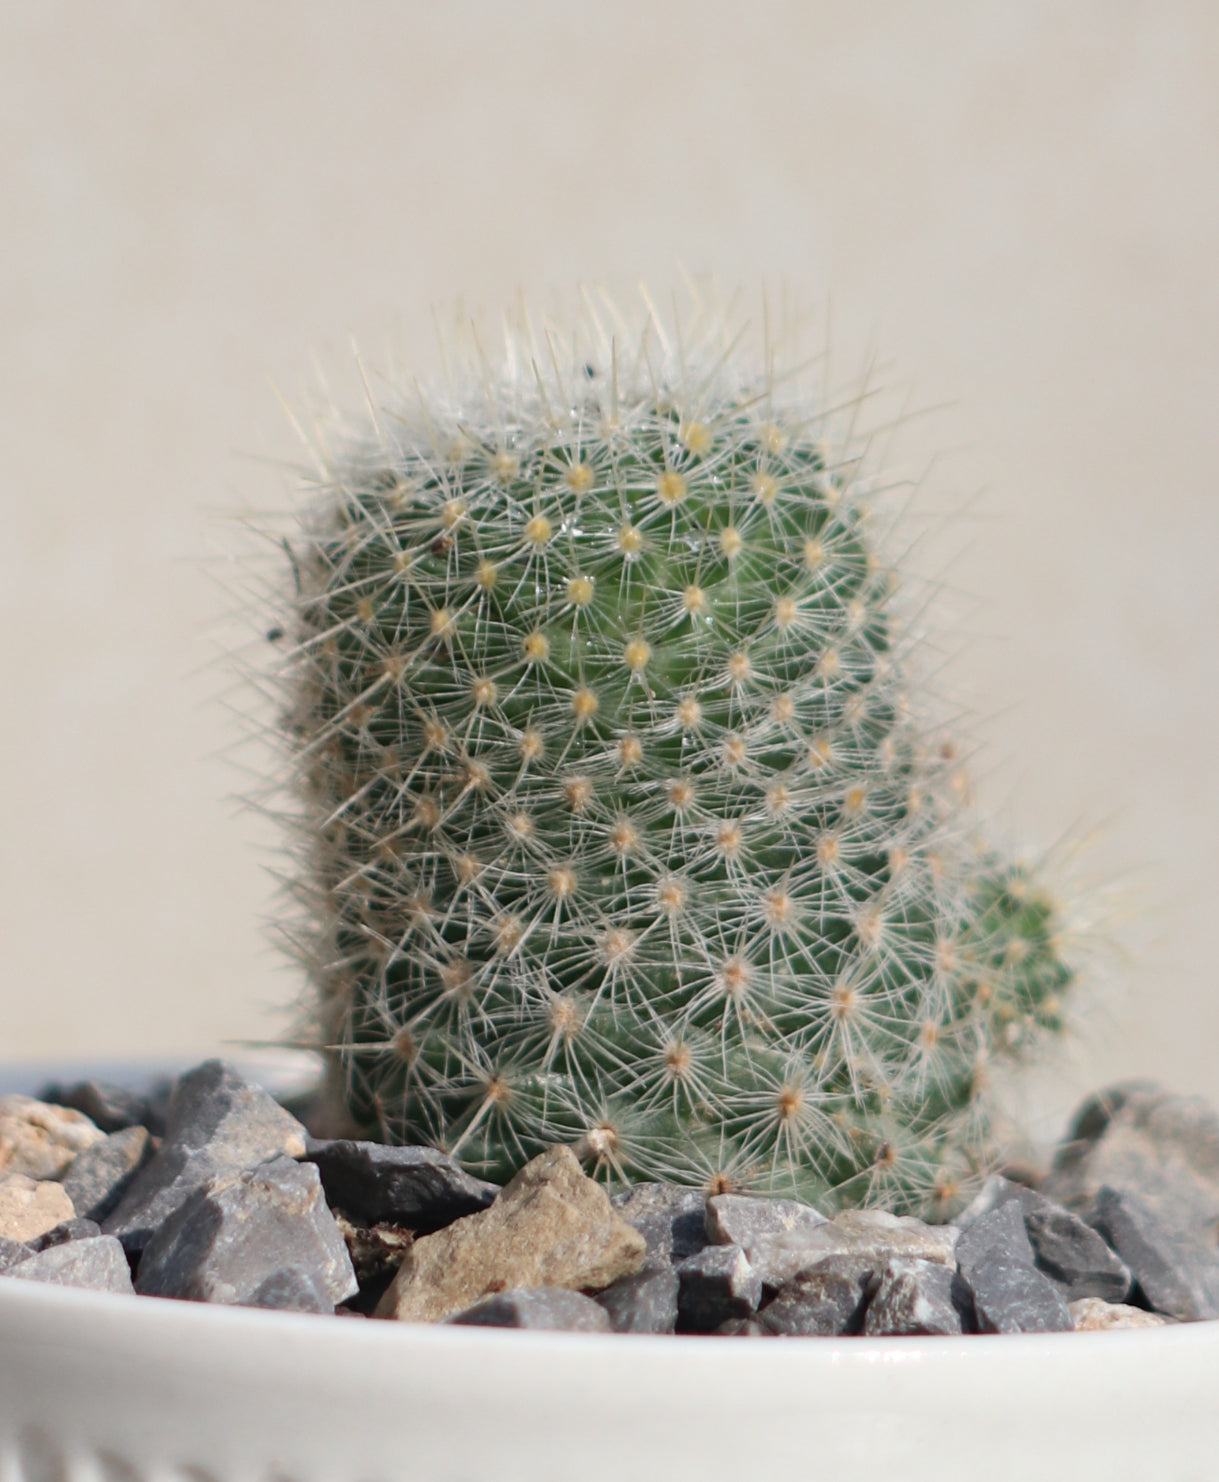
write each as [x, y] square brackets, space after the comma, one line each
[1018, 203]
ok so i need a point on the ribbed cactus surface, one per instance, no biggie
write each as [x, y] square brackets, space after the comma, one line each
[619, 828]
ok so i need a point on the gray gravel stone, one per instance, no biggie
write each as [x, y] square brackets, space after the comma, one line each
[1138, 1138]
[12, 1251]
[743, 1219]
[717, 1283]
[1066, 1249]
[996, 1236]
[292, 1290]
[823, 1300]
[998, 1190]
[1012, 1297]
[1176, 1272]
[240, 1228]
[1075, 1257]
[97, 1264]
[670, 1218]
[111, 1107]
[98, 1178]
[919, 1297]
[416, 1188]
[643, 1303]
[73, 1229]
[547, 1307]
[218, 1121]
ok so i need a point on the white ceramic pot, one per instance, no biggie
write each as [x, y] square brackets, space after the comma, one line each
[102, 1388]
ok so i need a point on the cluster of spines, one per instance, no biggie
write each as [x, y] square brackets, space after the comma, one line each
[619, 829]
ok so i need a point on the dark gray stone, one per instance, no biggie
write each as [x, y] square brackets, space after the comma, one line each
[1066, 1249]
[744, 1219]
[111, 1107]
[218, 1121]
[1075, 1257]
[12, 1251]
[919, 1297]
[1138, 1138]
[549, 1307]
[822, 1300]
[1014, 1297]
[97, 1264]
[998, 1236]
[418, 1188]
[717, 1283]
[239, 1229]
[670, 1218]
[292, 1290]
[1175, 1272]
[99, 1177]
[643, 1303]
[76, 1229]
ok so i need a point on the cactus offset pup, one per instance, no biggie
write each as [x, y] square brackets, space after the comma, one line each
[618, 827]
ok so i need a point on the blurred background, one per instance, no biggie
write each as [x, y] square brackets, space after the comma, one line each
[1014, 205]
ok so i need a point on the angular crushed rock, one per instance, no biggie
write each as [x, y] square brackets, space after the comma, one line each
[825, 1299]
[97, 1263]
[240, 1229]
[919, 1297]
[1076, 1258]
[12, 1251]
[551, 1226]
[1138, 1138]
[555, 1308]
[1067, 1250]
[743, 1219]
[30, 1207]
[40, 1140]
[1176, 1273]
[98, 1178]
[670, 1218]
[1091, 1315]
[415, 1188]
[643, 1303]
[292, 1290]
[74, 1229]
[717, 1284]
[998, 1236]
[111, 1107]
[218, 1121]
[1012, 1297]
[870, 1234]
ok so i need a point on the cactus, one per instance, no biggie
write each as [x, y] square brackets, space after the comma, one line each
[616, 824]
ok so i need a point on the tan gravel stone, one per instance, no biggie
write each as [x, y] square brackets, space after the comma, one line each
[1092, 1315]
[551, 1226]
[41, 1140]
[29, 1208]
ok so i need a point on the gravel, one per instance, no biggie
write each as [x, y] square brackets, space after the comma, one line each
[238, 1204]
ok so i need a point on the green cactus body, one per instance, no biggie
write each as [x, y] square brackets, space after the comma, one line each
[619, 830]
